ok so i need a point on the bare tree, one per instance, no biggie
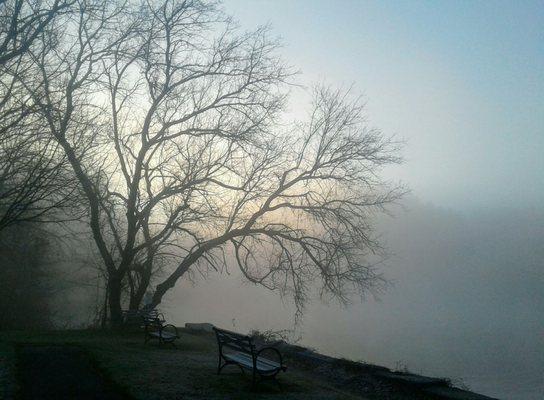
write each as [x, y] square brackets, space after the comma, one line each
[169, 118]
[299, 208]
[22, 21]
[33, 182]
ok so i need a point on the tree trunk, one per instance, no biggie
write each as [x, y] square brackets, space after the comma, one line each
[169, 283]
[104, 321]
[114, 300]
[136, 298]
[184, 266]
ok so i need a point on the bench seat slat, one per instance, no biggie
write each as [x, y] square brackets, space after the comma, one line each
[241, 350]
[246, 360]
[163, 335]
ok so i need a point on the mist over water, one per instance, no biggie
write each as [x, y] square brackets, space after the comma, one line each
[466, 302]
[199, 129]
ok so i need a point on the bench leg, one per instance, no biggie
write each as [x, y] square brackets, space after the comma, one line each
[219, 367]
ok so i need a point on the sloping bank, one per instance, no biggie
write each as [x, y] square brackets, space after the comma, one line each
[119, 365]
[364, 378]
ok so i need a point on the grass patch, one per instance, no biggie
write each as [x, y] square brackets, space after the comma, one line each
[153, 371]
[8, 381]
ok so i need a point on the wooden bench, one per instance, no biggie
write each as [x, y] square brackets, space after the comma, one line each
[238, 349]
[155, 328]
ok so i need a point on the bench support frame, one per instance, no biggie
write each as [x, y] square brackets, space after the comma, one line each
[244, 344]
[155, 329]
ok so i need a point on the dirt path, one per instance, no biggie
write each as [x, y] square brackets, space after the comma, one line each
[61, 372]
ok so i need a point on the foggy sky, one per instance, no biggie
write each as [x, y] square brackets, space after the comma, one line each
[466, 302]
[463, 84]
[461, 81]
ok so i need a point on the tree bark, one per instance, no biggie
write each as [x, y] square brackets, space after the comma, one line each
[114, 300]
[137, 296]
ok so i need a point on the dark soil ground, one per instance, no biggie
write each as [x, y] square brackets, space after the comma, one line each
[61, 372]
[90, 364]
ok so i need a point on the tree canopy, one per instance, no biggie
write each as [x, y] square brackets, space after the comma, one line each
[171, 120]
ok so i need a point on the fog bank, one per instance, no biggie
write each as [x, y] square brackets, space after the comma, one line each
[466, 302]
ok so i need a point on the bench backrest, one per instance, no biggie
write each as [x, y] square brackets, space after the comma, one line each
[142, 313]
[234, 341]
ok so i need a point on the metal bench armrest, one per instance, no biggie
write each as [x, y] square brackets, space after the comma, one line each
[267, 348]
[169, 325]
[160, 317]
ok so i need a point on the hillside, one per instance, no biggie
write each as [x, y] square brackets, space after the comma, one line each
[118, 365]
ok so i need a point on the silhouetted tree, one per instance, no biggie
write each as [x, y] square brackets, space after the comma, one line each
[170, 120]
[33, 179]
[22, 21]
